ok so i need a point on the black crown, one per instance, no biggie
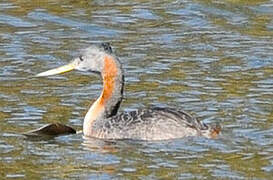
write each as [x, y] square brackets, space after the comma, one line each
[107, 47]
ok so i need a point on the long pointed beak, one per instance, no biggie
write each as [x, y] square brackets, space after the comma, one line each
[59, 70]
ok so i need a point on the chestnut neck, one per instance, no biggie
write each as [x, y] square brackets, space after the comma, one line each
[113, 81]
[108, 103]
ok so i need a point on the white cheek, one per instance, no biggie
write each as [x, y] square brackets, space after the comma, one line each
[81, 67]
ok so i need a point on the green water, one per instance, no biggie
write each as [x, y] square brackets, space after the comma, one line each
[213, 59]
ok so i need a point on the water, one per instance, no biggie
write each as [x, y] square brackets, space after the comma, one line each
[213, 59]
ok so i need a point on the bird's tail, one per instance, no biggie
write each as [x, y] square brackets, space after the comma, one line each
[215, 130]
[211, 131]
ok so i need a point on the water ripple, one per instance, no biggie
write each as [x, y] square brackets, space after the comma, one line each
[210, 58]
[16, 22]
[93, 29]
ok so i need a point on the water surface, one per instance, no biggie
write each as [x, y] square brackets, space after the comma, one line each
[213, 59]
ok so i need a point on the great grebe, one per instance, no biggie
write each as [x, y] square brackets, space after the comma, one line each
[103, 120]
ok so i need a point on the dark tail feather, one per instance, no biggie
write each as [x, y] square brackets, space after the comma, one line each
[55, 129]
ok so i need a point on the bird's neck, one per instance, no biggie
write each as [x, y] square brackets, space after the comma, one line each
[109, 101]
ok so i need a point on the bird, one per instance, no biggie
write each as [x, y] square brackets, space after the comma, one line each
[104, 121]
